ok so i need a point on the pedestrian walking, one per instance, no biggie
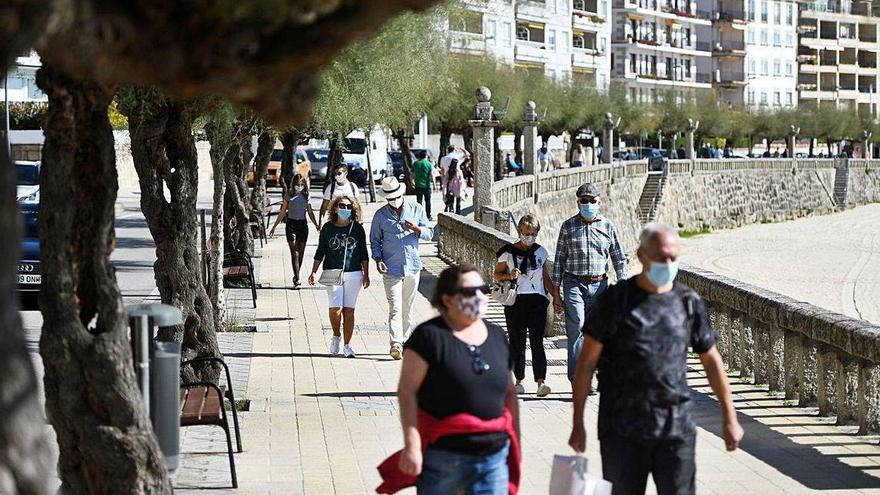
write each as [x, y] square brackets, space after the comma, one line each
[638, 334]
[680, 153]
[525, 264]
[394, 239]
[422, 171]
[577, 156]
[294, 209]
[458, 407]
[453, 186]
[340, 186]
[586, 243]
[512, 166]
[342, 247]
[544, 159]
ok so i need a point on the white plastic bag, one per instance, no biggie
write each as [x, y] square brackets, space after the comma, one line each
[570, 477]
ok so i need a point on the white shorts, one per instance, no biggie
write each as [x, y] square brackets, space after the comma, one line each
[345, 295]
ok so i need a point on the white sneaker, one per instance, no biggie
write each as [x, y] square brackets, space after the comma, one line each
[334, 344]
[519, 388]
[543, 391]
[395, 351]
[346, 350]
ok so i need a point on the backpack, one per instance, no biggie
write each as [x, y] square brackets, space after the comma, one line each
[687, 296]
[333, 188]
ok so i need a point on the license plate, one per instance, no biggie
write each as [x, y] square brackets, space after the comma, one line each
[26, 279]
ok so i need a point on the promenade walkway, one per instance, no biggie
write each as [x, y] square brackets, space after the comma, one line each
[319, 424]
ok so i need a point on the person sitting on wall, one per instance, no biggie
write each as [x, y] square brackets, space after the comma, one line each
[512, 166]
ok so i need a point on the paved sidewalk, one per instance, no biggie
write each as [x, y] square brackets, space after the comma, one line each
[320, 424]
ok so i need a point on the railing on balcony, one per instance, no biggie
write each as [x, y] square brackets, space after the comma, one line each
[730, 76]
[730, 15]
[729, 46]
[704, 46]
[703, 77]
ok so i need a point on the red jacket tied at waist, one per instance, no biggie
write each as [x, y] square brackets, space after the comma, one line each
[431, 428]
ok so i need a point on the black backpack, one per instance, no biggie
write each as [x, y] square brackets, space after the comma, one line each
[333, 188]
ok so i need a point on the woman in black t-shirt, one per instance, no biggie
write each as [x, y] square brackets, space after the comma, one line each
[457, 364]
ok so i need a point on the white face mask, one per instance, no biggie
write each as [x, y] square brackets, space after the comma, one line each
[396, 202]
[298, 189]
[528, 240]
[340, 179]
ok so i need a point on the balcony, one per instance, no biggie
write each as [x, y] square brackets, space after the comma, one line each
[730, 78]
[586, 21]
[703, 77]
[585, 57]
[730, 16]
[469, 43]
[729, 48]
[529, 51]
[532, 8]
[806, 87]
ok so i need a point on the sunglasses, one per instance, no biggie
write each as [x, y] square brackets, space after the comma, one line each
[472, 291]
[342, 206]
[479, 364]
[584, 201]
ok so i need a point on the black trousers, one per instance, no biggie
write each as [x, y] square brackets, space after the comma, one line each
[453, 204]
[627, 462]
[424, 192]
[527, 317]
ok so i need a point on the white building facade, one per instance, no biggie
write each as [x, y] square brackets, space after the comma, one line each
[771, 54]
[567, 40]
[22, 80]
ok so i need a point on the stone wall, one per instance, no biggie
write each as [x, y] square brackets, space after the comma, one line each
[28, 152]
[863, 185]
[128, 175]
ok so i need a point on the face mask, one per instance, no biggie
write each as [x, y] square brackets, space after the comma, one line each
[344, 214]
[340, 179]
[528, 240]
[589, 210]
[474, 307]
[298, 189]
[661, 274]
[396, 202]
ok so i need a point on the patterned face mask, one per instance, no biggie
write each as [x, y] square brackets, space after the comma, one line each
[528, 240]
[474, 307]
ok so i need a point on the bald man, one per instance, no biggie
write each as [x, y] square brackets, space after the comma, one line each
[638, 334]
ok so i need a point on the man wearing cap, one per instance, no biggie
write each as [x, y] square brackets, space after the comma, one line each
[394, 239]
[586, 242]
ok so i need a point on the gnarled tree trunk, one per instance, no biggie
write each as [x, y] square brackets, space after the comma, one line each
[216, 294]
[288, 144]
[164, 154]
[445, 139]
[265, 145]
[237, 201]
[104, 434]
[406, 156]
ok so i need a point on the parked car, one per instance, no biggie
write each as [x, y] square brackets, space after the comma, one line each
[27, 175]
[273, 174]
[318, 158]
[641, 153]
[395, 158]
[362, 149]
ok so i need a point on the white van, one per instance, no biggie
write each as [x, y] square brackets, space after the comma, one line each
[358, 149]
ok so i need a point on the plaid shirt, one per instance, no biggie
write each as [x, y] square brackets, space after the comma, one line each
[583, 249]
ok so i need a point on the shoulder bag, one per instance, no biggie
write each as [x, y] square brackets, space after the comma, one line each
[504, 292]
[333, 276]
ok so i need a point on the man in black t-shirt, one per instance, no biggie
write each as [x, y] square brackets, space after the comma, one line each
[637, 335]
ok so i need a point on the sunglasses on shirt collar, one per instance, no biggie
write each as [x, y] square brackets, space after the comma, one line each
[472, 291]
[480, 365]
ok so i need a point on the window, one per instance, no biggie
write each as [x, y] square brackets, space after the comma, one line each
[777, 13]
[765, 68]
[777, 98]
[551, 39]
[777, 39]
[763, 97]
[752, 10]
[750, 36]
[751, 97]
[764, 11]
[632, 63]
[490, 32]
[764, 38]
[789, 14]
[789, 69]
[505, 34]
[603, 8]
[579, 5]
[577, 41]
[522, 33]
[753, 67]
[687, 68]
[551, 73]
[566, 40]
[602, 44]
[789, 40]
[777, 68]
[467, 22]
[789, 98]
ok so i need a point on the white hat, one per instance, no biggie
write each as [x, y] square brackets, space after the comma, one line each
[391, 189]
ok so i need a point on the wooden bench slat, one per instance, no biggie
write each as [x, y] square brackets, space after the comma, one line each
[201, 406]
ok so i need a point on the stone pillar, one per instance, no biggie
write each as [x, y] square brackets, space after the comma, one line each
[746, 347]
[608, 136]
[792, 140]
[530, 139]
[776, 363]
[791, 383]
[735, 329]
[761, 352]
[869, 399]
[826, 380]
[847, 391]
[808, 373]
[689, 131]
[483, 157]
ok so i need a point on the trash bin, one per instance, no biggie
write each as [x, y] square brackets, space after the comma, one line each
[157, 365]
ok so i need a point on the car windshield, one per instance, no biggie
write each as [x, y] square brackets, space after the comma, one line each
[26, 174]
[277, 156]
[355, 146]
[318, 155]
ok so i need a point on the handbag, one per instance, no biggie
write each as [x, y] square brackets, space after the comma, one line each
[570, 477]
[504, 293]
[333, 277]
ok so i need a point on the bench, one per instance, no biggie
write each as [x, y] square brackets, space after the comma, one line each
[236, 266]
[258, 227]
[202, 404]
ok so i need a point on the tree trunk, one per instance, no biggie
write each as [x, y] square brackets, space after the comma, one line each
[216, 293]
[237, 202]
[500, 164]
[445, 138]
[104, 435]
[406, 156]
[265, 146]
[517, 145]
[162, 142]
[334, 159]
[288, 144]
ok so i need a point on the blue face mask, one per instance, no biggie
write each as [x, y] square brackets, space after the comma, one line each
[589, 210]
[344, 214]
[661, 274]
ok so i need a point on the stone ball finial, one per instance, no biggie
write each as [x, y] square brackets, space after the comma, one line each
[530, 105]
[483, 94]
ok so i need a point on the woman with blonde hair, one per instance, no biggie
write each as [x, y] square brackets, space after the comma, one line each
[342, 248]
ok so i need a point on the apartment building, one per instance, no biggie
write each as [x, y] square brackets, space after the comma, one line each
[564, 39]
[22, 79]
[655, 50]
[837, 53]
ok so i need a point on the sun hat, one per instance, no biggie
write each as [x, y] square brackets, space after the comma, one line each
[391, 188]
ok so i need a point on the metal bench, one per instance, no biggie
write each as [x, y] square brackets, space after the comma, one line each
[236, 266]
[201, 404]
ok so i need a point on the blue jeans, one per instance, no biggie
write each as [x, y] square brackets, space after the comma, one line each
[451, 473]
[578, 298]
